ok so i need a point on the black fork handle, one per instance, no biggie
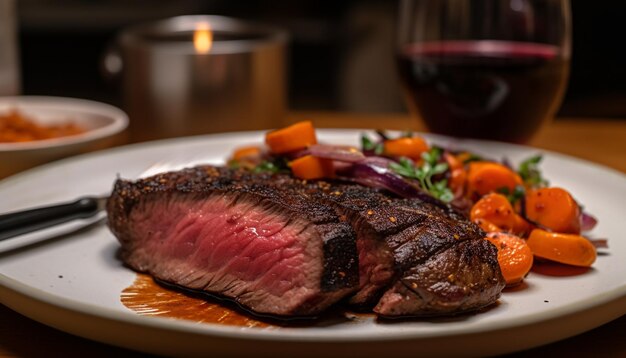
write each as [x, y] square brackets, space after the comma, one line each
[22, 222]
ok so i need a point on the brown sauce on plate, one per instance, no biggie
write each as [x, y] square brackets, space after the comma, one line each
[150, 298]
[146, 297]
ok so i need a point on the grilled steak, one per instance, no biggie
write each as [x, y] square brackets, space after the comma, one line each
[403, 243]
[221, 231]
[463, 277]
[284, 246]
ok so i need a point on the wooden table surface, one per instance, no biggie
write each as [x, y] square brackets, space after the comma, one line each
[599, 140]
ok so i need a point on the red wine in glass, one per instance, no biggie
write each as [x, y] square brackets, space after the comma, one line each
[487, 89]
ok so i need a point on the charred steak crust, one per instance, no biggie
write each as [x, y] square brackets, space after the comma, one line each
[406, 233]
[464, 277]
[339, 264]
[411, 258]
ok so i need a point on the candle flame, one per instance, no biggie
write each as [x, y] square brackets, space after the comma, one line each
[203, 38]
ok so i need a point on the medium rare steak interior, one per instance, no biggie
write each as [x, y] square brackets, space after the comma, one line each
[287, 247]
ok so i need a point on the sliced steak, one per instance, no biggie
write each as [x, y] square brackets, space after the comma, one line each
[464, 277]
[398, 239]
[239, 235]
[285, 246]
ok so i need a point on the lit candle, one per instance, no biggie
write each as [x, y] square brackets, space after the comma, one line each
[203, 38]
[199, 74]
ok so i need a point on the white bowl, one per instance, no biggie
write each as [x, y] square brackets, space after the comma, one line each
[103, 124]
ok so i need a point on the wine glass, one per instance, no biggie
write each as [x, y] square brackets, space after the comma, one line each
[493, 69]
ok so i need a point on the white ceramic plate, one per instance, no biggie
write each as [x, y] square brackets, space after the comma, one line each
[73, 282]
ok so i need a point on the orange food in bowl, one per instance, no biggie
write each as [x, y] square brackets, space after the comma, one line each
[15, 127]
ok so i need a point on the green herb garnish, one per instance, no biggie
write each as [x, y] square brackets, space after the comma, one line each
[368, 144]
[425, 173]
[277, 166]
[441, 191]
[530, 173]
[513, 197]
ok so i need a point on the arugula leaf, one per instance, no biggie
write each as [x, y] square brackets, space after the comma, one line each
[530, 173]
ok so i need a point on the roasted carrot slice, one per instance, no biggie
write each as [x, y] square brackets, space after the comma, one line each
[453, 161]
[458, 174]
[246, 152]
[487, 177]
[553, 208]
[411, 147]
[294, 137]
[514, 256]
[564, 248]
[310, 167]
[495, 209]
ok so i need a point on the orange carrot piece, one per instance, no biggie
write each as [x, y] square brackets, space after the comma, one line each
[246, 152]
[310, 167]
[487, 177]
[453, 161]
[294, 137]
[458, 174]
[412, 147]
[463, 156]
[495, 209]
[553, 208]
[564, 248]
[514, 256]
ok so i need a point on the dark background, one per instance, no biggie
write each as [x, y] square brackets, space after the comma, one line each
[340, 55]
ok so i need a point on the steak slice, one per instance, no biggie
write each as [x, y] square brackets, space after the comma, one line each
[273, 250]
[463, 277]
[402, 245]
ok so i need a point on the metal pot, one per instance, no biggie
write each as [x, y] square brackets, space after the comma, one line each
[172, 88]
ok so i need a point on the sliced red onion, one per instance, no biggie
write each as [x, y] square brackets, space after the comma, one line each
[599, 243]
[340, 153]
[296, 154]
[587, 221]
[382, 178]
[378, 161]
